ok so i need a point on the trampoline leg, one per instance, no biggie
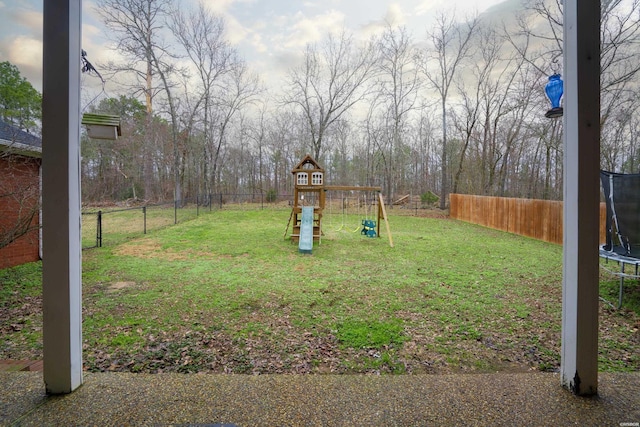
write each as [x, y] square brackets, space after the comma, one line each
[621, 287]
[621, 292]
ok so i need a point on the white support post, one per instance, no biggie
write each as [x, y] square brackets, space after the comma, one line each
[61, 218]
[579, 363]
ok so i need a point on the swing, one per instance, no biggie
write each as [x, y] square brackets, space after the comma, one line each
[344, 201]
[357, 226]
[368, 225]
[343, 213]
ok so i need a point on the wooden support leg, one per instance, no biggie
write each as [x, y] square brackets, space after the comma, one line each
[384, 215]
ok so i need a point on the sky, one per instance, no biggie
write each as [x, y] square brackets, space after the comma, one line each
[269, 34]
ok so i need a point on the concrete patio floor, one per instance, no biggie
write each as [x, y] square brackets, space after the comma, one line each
[124, 399]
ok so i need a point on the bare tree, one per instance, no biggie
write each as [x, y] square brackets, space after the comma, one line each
[240, 89]
[285, 145]
[451, 43]
[507, 97]
[476, 91]
[329, 83]
[136, 26]
[258, 134]
[619, 40]
[201, 33]
[425, 150]
[398, 92]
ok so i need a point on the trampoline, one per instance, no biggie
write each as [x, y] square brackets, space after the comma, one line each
[622, 224]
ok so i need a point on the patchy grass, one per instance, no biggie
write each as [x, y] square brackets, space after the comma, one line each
[227, 293]
[372, 334]
[21, 312]
[122, 224]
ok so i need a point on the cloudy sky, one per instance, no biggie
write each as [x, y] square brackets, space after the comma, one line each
[267, 33]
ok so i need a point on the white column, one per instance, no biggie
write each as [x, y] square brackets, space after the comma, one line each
[61, 219]
[579, 363]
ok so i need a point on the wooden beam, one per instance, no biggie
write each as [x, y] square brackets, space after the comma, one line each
[386, 221]
[402, 199]
[580, 283]
[288, 222]
[350, 188]
[61, 218]
[378, 222]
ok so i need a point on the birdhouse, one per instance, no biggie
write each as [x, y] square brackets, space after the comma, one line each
[102, 126]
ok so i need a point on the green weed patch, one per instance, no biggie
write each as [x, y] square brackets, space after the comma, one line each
[359, 334]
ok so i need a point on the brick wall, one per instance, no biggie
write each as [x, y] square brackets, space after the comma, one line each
[19, 198]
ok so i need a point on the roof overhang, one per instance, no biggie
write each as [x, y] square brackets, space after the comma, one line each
[19, 149]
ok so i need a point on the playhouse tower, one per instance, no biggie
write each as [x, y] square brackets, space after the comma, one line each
[309, 190]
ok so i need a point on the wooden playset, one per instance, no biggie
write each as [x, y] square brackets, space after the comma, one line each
[309, 201]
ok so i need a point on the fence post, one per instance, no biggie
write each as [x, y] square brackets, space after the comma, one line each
[175, 212]
[99, 230]
[197, 204]
[144, 219]
[220, 200]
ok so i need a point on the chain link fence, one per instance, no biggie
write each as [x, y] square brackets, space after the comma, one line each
[113, 225]
[246, 201]
[117, 224]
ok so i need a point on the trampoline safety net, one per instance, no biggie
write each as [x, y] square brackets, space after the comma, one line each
[622, 195]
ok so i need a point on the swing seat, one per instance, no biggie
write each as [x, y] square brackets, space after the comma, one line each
[368, 228]
[368, 223]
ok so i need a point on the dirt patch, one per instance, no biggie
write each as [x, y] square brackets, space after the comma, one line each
[146, 248]
[114, 287]
[151, 249]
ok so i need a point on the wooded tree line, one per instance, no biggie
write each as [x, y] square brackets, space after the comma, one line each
[459, 108]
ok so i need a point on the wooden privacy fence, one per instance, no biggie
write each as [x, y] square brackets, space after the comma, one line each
[539, 219]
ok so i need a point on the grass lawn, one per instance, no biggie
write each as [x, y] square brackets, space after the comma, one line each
[227, 293]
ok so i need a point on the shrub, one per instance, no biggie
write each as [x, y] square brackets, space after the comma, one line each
[429, 198]
[271, 196]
